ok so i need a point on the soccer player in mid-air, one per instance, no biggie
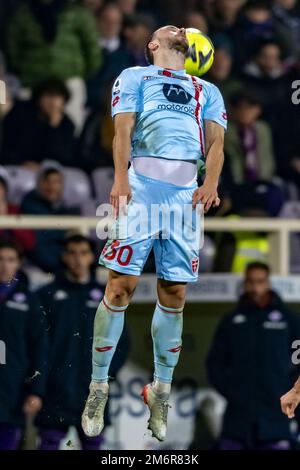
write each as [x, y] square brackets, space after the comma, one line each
[165, 121]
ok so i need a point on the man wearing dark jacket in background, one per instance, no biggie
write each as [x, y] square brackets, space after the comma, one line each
[47, 199]
[44, 130]
[23, 335]
[250, 365]
[70, 303]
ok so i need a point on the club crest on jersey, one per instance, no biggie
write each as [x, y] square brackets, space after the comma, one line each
[195, 264]
[198, 86]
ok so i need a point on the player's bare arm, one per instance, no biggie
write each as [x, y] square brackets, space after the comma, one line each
[208, 192]
[124, 124]
[291, 400]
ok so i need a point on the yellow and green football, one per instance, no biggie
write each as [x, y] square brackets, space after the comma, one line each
[200, 55]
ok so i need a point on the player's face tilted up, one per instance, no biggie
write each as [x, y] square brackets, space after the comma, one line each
[168, 38]
[161, 115]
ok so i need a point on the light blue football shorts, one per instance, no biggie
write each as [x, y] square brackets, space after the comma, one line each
[159, 216]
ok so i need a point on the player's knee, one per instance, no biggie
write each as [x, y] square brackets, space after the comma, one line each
[171, 295]
[179, 296]
[119, 292]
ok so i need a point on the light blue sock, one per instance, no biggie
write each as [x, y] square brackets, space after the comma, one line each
[108, 327]
[166, 332]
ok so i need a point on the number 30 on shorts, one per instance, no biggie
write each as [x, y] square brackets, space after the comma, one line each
[121, 253]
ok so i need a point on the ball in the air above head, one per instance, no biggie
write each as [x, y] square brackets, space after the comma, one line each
[200, 55]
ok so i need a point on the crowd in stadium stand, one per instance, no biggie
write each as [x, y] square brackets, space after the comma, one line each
[59, 59]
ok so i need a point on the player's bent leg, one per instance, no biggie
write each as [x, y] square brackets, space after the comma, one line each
[108, 327]
[167, 327]
[166, 331]
[171, 293]
[120, 288]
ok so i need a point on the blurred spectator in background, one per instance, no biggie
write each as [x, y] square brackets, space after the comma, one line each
[9, 87]
[70, 303]
[220, 73]
[224, 15]
[166, 12]
[55, 38]
[93, 5]
[289, 158]
[22, 329]
[44, 131]
[7, 102]
[23, 239]
[4, 109]
[7, 8]
[224, 21]
[237, 249]
[249, 363]
[47, 199]
[95, 144]
[127, 7]
[284, 12]
[248, 141]
[137, 29]
[256, 24]
[109, 22]
[195, 19]
[265, 71]
[115, 56]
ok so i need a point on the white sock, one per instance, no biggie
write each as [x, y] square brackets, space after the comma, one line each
[161, 387]
[103, 386]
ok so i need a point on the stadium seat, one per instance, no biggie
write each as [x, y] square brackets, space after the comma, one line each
[88, 208]
[21, 181]
[77, 187]
[75, 107]
[102, 180]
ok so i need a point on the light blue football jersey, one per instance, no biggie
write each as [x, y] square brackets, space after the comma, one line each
[171, 107]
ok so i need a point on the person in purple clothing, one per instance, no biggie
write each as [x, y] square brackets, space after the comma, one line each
[249, 363]
[23, 350]
[69, 304]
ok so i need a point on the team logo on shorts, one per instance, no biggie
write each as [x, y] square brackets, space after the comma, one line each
[195, 264]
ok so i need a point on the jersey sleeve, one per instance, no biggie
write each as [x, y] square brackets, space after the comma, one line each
[214, 108]
[126, 93]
